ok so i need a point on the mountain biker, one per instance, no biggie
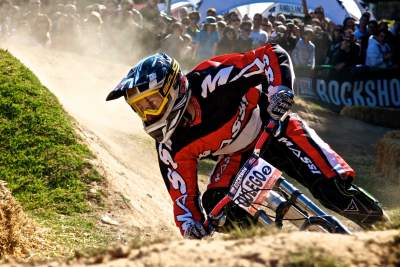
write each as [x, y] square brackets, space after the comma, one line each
[218, 109]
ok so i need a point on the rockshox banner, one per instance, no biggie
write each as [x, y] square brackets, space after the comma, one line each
[362, 87]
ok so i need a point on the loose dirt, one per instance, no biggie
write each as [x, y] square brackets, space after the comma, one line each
[127, 158]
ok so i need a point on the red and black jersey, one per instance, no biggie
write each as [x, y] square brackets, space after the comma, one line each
[230, 104]
[225, 97]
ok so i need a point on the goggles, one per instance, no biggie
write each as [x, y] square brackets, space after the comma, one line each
[152, 103]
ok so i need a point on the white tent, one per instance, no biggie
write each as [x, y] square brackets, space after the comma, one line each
[336, 10]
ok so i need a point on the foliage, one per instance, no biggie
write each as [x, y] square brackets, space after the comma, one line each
[41, 157]
[45, 164]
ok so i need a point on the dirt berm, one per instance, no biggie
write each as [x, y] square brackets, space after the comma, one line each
[129, 161]
[291, 249]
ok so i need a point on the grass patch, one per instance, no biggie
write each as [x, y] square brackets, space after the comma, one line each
[311, 258]
[67, 234]
[46, 165]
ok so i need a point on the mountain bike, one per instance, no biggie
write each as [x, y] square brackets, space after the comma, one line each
[260, 189]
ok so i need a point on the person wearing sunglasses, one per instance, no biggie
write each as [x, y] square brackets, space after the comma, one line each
[218, 110]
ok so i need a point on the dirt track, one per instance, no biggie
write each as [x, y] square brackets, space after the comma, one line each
[127, 157]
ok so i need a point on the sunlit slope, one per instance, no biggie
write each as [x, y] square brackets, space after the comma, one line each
[111, 129]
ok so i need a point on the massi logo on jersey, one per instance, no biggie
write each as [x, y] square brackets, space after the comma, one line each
[298, 153]
[210, 83]
[237, 125]
[177, 182]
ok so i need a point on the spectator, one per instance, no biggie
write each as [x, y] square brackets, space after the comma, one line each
[66, 33]
[220, 18]
[304, 52]
[212, 12]
[347, 53]
[258, 36]
[384, 27]
[279, 34]
[40, 30]
[174, 42]
[378, 53]
[228, 41]
[319, 13]
[321, 40]
[150, 12]
[220, 27]
[244, 42]
[92, 32]
[281, 18]
[187, 52]
[290, 37]
[183, 13]
[235, 22]
[372, 30]
[337, 37]
[362, 30]
[6, 23]
[207, 39]
[246, 18]
[349, 23]
[267, 27]
[193, 29]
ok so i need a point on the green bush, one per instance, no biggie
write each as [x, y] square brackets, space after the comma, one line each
[41, 158]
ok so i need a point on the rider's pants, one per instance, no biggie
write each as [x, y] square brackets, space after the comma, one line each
[298, 151]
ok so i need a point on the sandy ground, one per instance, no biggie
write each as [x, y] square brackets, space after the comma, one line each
[127, 158]
[297, 249]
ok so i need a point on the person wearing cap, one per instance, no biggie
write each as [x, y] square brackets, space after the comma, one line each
[304, 52]
[212, 12]
[221, 25]
[207, 39]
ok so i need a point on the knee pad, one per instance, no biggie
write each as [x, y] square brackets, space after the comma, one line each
[349, 201]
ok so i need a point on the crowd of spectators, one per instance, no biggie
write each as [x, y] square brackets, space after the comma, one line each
[139, 29]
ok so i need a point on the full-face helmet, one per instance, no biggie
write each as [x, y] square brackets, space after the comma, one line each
[157, 91]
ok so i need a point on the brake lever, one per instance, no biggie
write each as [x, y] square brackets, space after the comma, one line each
[273, 128]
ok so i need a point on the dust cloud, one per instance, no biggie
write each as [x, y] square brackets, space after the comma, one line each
[81, 74]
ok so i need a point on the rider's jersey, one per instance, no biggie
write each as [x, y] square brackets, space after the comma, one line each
[225, 95]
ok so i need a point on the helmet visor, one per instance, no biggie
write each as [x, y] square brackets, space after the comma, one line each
[149, 105]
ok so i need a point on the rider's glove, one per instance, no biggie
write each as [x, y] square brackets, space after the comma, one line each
[280, 101]
[195, 230]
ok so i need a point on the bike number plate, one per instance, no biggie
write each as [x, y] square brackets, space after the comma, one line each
[253, 183]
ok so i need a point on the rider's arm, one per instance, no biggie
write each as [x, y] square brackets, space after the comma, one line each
[269, 64]
[179, 170]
